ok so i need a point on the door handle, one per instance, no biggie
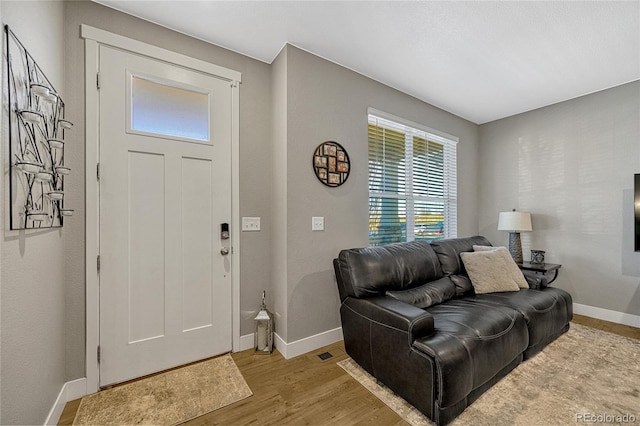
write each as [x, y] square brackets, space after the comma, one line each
[224, 251]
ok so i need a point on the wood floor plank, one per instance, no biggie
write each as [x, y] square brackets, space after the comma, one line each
[304, 390]
[611, 327]
[69, 412]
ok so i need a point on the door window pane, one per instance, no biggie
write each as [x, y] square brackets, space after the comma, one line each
[166, 110]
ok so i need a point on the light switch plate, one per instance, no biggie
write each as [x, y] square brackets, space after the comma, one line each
[317, 223]
[250, 224]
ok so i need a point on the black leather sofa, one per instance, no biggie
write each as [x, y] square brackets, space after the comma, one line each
[411, 319]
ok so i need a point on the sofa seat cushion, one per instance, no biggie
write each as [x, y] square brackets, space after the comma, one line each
[470, 345]
[545, 311]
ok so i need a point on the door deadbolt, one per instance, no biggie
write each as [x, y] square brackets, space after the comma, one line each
[224, 231]
[224, 251]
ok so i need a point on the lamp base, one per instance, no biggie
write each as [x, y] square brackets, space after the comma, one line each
[515, 246]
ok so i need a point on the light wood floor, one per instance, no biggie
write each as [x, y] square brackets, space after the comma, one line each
[308, 391]
[611, 327]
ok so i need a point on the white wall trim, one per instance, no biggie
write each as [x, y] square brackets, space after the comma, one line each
[93, 39]
[235, 216]
[115, 40]
[607, 315]
[387, 116]
[92, 244]
[246, 342]
[71, 390]
[308, 344]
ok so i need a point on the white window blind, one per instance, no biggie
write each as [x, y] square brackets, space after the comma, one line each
[412, 183]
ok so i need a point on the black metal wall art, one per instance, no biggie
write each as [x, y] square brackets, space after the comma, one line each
[36, 142]
[331, 163]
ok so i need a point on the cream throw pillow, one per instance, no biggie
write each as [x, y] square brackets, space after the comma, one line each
[488, 272]
[512, 267]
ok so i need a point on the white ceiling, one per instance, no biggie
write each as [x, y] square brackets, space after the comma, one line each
[479, 60]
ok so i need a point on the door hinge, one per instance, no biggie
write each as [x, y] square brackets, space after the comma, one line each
[98, 81]
[98, 171]
[98, 353]
[98, 263]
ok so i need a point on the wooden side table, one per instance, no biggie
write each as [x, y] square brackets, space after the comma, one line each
[541, 268]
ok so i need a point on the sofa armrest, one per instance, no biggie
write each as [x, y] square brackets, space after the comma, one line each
[536, 281]
[379, 333]
[393, 313]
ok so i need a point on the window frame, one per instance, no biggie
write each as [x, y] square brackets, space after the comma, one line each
[448, 199]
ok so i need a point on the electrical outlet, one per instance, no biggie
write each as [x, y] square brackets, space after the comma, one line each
[250, 224]
[317, 223]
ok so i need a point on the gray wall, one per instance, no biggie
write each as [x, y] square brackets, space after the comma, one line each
[32, 276]
[571, 165]
[255, 160]
[328, 102]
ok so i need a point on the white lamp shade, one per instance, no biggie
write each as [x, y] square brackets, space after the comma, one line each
[514, 221]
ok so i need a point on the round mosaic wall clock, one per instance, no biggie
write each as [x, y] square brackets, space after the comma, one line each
[331, 164]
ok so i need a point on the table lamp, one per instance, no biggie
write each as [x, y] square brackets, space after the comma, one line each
[515, 222]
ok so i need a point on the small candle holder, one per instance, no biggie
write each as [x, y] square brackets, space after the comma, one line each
[537, 257]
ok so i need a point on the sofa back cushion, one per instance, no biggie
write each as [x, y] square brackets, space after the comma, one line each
[372, 271]
[448, 252]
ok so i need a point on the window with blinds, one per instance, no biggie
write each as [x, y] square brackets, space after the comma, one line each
[412, 183]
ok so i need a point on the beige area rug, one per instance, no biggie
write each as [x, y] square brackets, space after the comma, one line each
[168, 398]
[583, 374]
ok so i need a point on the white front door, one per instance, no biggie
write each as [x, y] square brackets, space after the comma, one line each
[165, 191]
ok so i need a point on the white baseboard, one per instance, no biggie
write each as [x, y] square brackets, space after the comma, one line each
[299, 347]
[246, 342]
[308, 344]
[607, 315]
[71, 390]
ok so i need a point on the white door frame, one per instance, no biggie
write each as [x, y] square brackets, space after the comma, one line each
[93, 39]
